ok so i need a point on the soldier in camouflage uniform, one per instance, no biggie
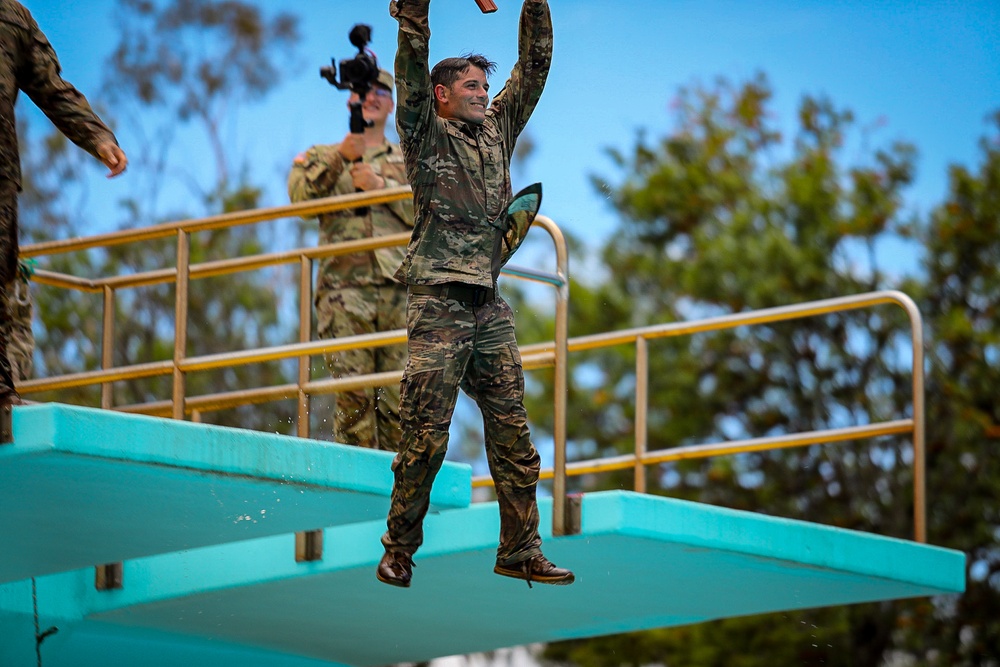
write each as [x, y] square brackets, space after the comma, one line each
[356, 293]
[461, 333]
[29, 63]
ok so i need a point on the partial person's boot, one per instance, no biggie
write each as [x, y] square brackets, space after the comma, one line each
[8, 399]
[537, 568]
[395, 569]
[6, 424]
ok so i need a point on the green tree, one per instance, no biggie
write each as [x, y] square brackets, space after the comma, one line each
[722, 215]
[959, 298]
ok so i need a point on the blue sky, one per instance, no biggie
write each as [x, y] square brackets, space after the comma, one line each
[930, 71]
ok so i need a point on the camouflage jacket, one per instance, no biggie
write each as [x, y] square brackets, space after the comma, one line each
[460, 172]
[322, 172]
[29, 63]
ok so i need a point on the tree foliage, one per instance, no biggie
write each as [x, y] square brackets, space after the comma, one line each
[724, 215]
[200, 60]
[962, 265]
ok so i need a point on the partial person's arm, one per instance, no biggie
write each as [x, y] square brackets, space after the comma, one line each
[415, 106]
[65, 106]
[515, 103]
[315, 174]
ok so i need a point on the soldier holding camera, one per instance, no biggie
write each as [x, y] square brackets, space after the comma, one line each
[458, 147]
[356, 293]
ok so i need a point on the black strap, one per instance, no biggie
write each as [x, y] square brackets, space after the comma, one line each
[470, 295]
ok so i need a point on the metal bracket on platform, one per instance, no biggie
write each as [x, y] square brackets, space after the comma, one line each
[574, 514]
[109, 577]
[308, 546]
[6, 425]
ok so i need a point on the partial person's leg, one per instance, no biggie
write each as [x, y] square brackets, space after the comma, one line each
[339, 314]
[8, 269]
[391, 316]
[21, 342]
[439, 344]
[496, 382]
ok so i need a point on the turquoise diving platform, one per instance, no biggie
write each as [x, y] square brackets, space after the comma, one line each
[210, 575]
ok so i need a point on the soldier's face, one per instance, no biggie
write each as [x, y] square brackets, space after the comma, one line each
[467, 98]
[377, 105]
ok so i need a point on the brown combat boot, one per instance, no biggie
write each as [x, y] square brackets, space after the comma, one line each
[395, 569]
[537, 568]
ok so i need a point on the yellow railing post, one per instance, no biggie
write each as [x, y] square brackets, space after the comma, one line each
[107, 346]
[305, 335]
[641, 410]
[919, 433]
[180, 319]
[561, 371]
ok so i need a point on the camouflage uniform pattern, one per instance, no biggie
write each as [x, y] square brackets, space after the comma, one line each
[8, 256]
[461, 180]
[356, 293]
[20, 337]
[460, 173]
[29, 63]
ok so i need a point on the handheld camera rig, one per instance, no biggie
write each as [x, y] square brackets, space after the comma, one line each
[357, 74]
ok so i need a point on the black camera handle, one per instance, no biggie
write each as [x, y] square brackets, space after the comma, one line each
[357, 126]
[357, 123]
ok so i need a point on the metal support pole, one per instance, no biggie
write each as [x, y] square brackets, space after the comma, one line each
[180, 319]
[919, 432]
[108, 346]
[641, 411]
[305, 333]
[561, 379]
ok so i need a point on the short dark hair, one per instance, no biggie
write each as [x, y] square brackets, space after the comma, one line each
[448, 70]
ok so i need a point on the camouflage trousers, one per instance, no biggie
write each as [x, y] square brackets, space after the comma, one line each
[452, 345]
[366, 417]
[17, 327]
[8, 271]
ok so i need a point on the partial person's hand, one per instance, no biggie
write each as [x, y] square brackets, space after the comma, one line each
[365, 178]
[352, 147]
[113, 158]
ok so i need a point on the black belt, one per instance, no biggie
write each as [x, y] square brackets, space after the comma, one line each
[470, 295]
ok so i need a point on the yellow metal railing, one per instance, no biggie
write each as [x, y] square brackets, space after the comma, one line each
[551, 354]
[641, 458]
[180, 404]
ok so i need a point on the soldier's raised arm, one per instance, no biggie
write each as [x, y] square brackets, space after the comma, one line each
[415, 99]
[520, 94]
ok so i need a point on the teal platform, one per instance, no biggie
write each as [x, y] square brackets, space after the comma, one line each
[641, 562]
[81, 487]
